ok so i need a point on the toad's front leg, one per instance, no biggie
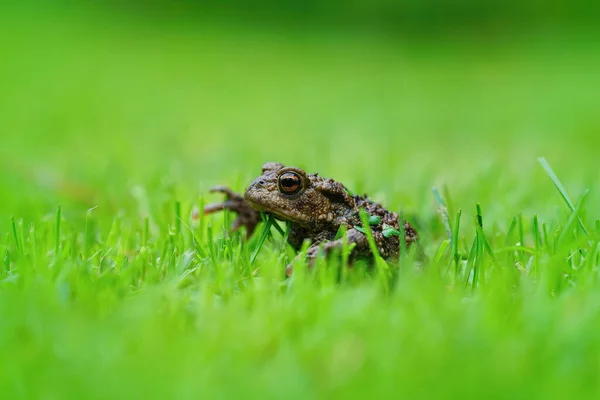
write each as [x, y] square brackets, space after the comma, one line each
[246, 215]
[354, 237]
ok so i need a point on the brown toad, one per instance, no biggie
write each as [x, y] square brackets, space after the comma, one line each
[316, 208]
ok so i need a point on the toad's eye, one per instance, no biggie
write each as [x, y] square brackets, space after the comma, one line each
[289, 183]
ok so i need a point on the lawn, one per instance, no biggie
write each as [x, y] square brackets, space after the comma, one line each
[113, 130]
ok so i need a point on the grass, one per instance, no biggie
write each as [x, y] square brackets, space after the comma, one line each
[112, 135]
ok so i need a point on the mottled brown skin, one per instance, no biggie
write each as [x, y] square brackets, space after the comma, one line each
[315, 208]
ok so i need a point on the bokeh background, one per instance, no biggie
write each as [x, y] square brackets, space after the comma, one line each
[100, 99]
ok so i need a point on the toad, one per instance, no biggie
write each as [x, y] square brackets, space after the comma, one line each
[316, 208]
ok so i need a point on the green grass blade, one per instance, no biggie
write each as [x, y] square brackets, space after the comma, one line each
[561, 189]
[443, 210]
[455, 234]
[58, 220]
[262, 238]
[573, 217]
[15, 231]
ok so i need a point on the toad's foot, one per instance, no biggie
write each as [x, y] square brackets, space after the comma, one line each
[246, 215]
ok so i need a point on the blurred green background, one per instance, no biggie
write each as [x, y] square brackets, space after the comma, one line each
[389, 97]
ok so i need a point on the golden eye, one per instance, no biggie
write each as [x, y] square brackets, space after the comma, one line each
[289, 183]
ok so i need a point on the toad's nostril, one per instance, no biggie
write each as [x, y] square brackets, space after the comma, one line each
[261, 182]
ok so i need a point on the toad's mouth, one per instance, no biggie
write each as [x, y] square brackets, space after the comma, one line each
[282, 215]
[255, 202]
[261, 207]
